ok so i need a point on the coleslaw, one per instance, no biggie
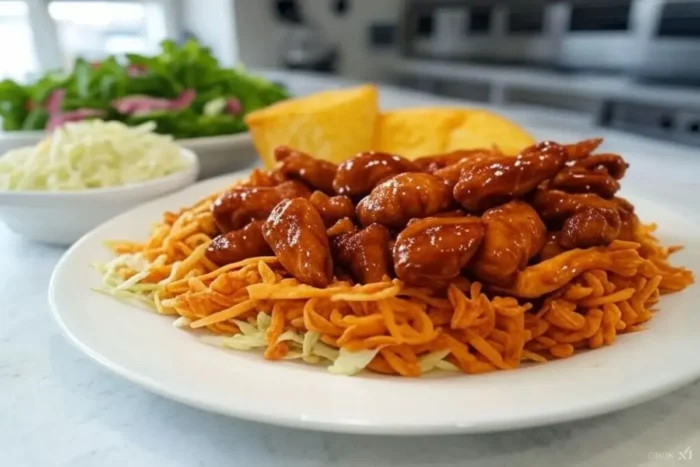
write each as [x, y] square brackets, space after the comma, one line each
[91, 154]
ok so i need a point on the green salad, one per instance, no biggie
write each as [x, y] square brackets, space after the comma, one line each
[183, 90]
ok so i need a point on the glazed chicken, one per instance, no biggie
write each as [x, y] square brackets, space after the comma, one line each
[295, 232]
[238, 206]
[365, 253]
[332, 208]
[590, 227]
[595, 174]
[239, 244]
[551, 246]
[453, 172]
[613, 164]
[582, 149]
[630, 223]
[432, 164]
[343, 226]
[514, 234]
[434, 250]
[525, 225]
[316, 173]
[404, 197]
[359, 175]
[581, 180]
[265, 178]
[587, 219]
[557, 205]
[495, 181]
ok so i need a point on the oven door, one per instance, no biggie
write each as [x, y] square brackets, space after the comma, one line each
[672, 50]
[604, 35]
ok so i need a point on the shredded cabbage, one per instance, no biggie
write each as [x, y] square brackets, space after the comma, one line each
[310, 339]
[91, 154]
[307, 346]
[350, 363]
[446, 366]
[182, 322]
[291, 336]
[430, 361]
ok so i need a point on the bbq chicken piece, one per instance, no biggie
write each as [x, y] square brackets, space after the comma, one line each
[365, 253]
[582, 149]
[554, 273]
[582, 180]
[432, 164]
[613, 164]
[514, 234]
[495, 181]
[551, 246]
[590, 227]
[557, 205]
[332, 208]
[343, 226]
[403, 197]
[434, 250]
[239, 206]
[265, 178]
[597, 174]
[316, 173]
[238, 245]
[586, 218]
[296, 234]
[356, 177]
[452, 173]
[630, 222]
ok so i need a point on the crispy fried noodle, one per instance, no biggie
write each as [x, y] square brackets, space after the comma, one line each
[469, 261]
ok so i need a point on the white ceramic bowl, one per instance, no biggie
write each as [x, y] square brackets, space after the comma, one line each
[217, 154]
[222, 154]
[62, 217]
[18, 139]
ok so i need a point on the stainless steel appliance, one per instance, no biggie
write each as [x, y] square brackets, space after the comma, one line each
[513, 32]
[672, 48]
[648, 38]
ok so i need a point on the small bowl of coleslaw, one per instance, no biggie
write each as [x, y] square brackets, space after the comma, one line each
[85, 173]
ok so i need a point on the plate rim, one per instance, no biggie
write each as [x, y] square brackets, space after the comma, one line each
[631, 397]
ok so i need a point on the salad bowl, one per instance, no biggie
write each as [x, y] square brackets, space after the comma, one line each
[182, 89]
[61, 218]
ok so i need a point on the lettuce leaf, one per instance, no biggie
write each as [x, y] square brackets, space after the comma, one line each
[165, 75]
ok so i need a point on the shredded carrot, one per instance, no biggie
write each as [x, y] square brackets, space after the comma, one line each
[481, 331]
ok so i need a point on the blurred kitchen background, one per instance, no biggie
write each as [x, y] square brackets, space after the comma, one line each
[627, 64]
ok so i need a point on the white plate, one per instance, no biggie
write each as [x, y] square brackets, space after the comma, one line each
[146, 349]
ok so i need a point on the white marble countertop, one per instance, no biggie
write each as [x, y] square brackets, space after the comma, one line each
[57, 408]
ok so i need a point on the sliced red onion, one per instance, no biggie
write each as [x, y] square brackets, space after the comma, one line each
[234, 106]
[55, 101]
[136, 69]
[139, 104]
[184, 100]
[61, 119]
